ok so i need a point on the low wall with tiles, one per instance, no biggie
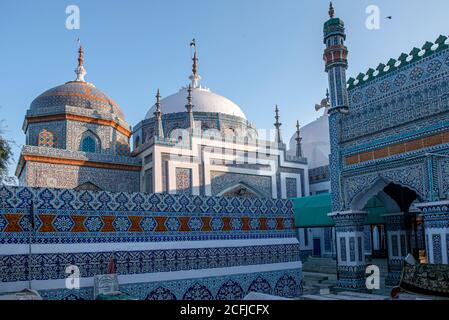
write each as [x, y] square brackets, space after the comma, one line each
[165, 246]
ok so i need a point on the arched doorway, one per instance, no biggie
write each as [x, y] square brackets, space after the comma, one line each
[394, 228]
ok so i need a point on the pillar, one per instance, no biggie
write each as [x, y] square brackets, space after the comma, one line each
[351, 265]
[398, 244]
[436, 229]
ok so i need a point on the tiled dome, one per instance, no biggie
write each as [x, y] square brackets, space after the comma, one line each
[77, 94]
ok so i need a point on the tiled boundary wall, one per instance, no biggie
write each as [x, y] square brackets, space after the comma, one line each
[165, 246]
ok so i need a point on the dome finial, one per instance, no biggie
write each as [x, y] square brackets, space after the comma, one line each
[80, 71]
[298, 140]
[277, 125]
[158, 101]
[195, 77]
[159, 129]
[331, 10]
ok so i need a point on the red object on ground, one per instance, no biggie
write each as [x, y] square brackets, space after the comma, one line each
[394, 293]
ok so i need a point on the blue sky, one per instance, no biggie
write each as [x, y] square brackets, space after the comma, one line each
[258, 53]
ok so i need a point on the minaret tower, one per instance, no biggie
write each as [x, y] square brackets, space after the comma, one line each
[159, 130]
[349, 223]
[278, 125]
[336, 59]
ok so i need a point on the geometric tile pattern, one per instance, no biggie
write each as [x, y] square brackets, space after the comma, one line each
[47, 139]
[63, 216]
[52, 266]
[68, 216]
[286, 283]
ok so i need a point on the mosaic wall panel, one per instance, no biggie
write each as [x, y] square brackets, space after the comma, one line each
[437, 253]
[292, 187]
[67, 176]
[352, 249]
[285, 283]
[208, 121]
[343, 249]
[68, 216]
[148, 181]
[415, 91]
[319, 174]
[360, 248]
[108, 136]
[183, 181]
[58, 128]
[328, 239]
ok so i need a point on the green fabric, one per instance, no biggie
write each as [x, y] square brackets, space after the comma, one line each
[311, 212]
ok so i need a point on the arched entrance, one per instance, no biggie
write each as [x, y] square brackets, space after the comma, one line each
[392, 228]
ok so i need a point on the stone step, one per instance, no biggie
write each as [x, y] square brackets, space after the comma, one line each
[364, 295]
[316, 297]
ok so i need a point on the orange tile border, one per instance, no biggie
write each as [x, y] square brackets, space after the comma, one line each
[79, 224]
[160, 224]
[13, 222]
[47, 225]
[206, 224]
[107, 224]
[73, 162]
[135, 223]
[398, 148]
[184, 224]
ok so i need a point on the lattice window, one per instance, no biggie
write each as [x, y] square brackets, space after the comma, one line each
[88, 144]
[47, 139]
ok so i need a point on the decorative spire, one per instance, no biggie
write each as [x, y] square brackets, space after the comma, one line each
[331, 10]
[159, 129]
[298, 140]
[189, 107]
[277, 125]
[80, 71]
[195, 77]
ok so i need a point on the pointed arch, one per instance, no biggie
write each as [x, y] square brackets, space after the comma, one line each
[89, 142]
[382, 188]
[241, 189]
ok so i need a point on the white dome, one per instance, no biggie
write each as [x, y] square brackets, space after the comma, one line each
[203, 101]
[315, 142]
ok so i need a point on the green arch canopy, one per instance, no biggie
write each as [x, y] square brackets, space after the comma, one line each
[311, 212]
